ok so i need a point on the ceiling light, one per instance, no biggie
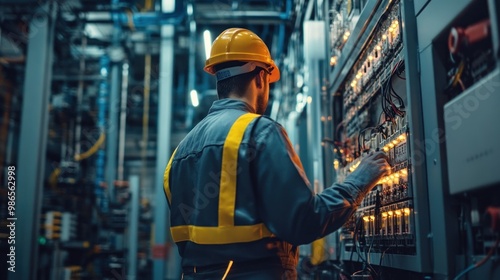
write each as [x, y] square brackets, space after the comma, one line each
[194, 98]
[168, 6]
[207, 38]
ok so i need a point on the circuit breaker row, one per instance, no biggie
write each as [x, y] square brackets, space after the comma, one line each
[390, 225]
[59, 225]
[385, 216]
[374, 68]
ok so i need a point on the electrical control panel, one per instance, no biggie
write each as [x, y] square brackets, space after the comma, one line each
[422, 87]
[370, 90]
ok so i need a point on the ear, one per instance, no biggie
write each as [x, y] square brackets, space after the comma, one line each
[259, 79]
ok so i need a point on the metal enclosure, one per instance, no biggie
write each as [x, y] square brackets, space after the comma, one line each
[433, 222]
[368, 37]
[449, 52]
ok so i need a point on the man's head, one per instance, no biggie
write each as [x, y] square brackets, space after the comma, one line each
[241, 62]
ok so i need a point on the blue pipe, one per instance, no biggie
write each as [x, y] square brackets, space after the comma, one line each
[102, 104]
[281, 35]
[281, 40]
[145, 19]
[116, 15]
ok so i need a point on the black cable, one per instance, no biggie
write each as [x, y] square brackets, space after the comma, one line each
[367, 264]
[353, 243]
[361, 147]
[399, 70]
[385, 103]
[389, 106]
[380, 262]
[400, 100]
[395, 94]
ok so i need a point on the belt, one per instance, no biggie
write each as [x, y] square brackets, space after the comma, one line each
[237, 265]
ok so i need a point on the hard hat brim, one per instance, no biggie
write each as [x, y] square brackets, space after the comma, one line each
[275, 72]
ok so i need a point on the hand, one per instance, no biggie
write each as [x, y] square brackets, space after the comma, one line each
[370, 170]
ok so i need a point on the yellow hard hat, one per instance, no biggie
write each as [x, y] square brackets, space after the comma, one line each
[238, 44]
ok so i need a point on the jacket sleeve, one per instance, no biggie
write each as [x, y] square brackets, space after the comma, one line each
[287, 204]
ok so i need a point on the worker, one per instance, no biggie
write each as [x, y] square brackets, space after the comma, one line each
[240, 202]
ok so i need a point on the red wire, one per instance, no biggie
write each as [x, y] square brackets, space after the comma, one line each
[461, 84]
[490, 253]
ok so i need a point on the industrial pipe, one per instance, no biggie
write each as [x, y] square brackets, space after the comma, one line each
[191, 66]
[6, 88]
[97, 145]
[79, 96]
[123, 121]
[145, 19]
[145, 116]
[249, 17]
[102, 104]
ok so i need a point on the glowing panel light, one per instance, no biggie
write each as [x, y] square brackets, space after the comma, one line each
[346, 35]
[333, 60]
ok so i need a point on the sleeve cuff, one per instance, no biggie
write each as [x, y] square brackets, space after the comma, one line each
[355, 189]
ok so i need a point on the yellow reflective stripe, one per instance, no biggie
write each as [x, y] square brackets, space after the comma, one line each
[227, 191]
[166, 175]
[226, 232]
[318, 254]
[219, 235]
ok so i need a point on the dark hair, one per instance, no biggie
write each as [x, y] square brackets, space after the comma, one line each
[237, 84]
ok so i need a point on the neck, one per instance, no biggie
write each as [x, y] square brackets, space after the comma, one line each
[249, 98]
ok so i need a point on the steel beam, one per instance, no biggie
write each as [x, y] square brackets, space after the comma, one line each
[161, 212]
[113, 126]
[248, 17]
[112, 130]
[133, 229]
[33, 141]
[192, 71]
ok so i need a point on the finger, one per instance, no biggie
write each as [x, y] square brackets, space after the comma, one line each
[381, 160]
[380, 154]
[383, 164]
[388, 168]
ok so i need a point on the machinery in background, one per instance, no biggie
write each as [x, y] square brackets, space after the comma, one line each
[418, 80]
[467, 51]
[81, 228]
[473, 77]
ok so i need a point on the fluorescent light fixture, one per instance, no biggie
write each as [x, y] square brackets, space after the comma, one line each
[92, 31]
[167, 6]
[194, 98]
[104, 72]
[207, 38]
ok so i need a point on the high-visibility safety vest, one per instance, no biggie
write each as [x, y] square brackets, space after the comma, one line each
[226, 232]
